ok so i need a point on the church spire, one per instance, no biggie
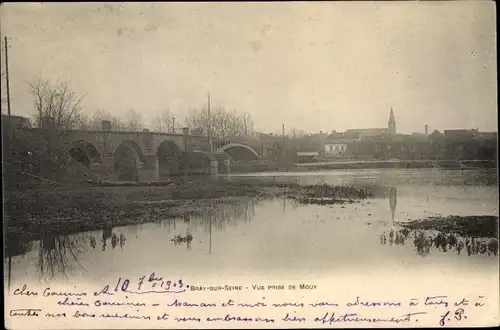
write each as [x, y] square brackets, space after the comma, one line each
[392, 122]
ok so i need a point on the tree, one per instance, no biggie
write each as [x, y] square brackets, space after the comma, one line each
[100, 115]
[223, 123]
[197, 120]
[295, 133]
[43, 155]
[247, 125]
[133, 122]
[58, 102]
[163, 122]
[95, 122]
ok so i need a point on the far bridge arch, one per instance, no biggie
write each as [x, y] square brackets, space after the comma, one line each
[239, 152]
[169, 158]
[127, 160]
[85, 153]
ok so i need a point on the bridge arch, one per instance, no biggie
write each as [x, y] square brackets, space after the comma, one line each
[239, 152]
[195, 162]
[169, 158]
[85, 153]
[127, 160]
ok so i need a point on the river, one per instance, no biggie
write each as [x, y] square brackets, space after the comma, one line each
[272, 237]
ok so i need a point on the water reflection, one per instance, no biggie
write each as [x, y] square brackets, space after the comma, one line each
[393, 201]
[108, 236]
[56, 254]
[219, 215]
[178, 239]
[425, 240]
[15, 245]
[59, 255]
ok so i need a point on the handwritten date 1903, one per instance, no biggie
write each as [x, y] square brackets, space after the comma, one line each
[159, 282]
[144, 285]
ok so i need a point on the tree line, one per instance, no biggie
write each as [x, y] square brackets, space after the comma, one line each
[58, 101]
[65, 107]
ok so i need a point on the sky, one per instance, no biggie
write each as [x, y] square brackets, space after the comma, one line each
[310, 66]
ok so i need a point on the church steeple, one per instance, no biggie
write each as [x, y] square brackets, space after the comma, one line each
[392, 123]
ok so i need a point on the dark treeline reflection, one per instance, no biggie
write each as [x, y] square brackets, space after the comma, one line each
[218, 216]
[426, 240]
[57, 255]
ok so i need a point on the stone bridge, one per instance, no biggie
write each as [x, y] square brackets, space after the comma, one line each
[150, 156]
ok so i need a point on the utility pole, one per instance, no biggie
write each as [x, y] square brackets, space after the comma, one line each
[173, 124]
[283, 129]
[209, 125]
[7, 76]
[168, 120]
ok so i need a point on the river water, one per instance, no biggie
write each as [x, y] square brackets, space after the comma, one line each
[273, 237]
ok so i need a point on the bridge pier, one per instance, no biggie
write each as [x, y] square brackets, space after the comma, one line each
[214, 167]
[150, 170]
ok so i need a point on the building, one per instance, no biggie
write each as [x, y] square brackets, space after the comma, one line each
[391, 126]
[15, 121]
[488, 135]
[435, 135]
[461, 133]
[373, 133]
[336, 148]
[339, 145]
[307, 156]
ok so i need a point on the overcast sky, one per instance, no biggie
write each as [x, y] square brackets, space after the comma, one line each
[313, 66]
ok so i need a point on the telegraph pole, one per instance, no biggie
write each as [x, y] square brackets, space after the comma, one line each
[9, 130]
[173, 124]
[7, 76]
[209, 125]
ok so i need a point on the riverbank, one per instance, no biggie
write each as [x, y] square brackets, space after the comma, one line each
[64, 209]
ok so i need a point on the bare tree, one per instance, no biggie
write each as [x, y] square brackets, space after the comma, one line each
[163, 122]
[133, 122]
[197, 121]
[247, 125]
[295, 133]
[117, 124]
[95, 121]
[223, 123]
[56, 101]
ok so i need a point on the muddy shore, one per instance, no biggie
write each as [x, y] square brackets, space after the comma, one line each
[66, 209]
[63, 209]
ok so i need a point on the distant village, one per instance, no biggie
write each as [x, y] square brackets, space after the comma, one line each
[387, 143]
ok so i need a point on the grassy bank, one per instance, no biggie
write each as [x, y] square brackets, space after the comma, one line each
[471, 226]
[471, 235]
